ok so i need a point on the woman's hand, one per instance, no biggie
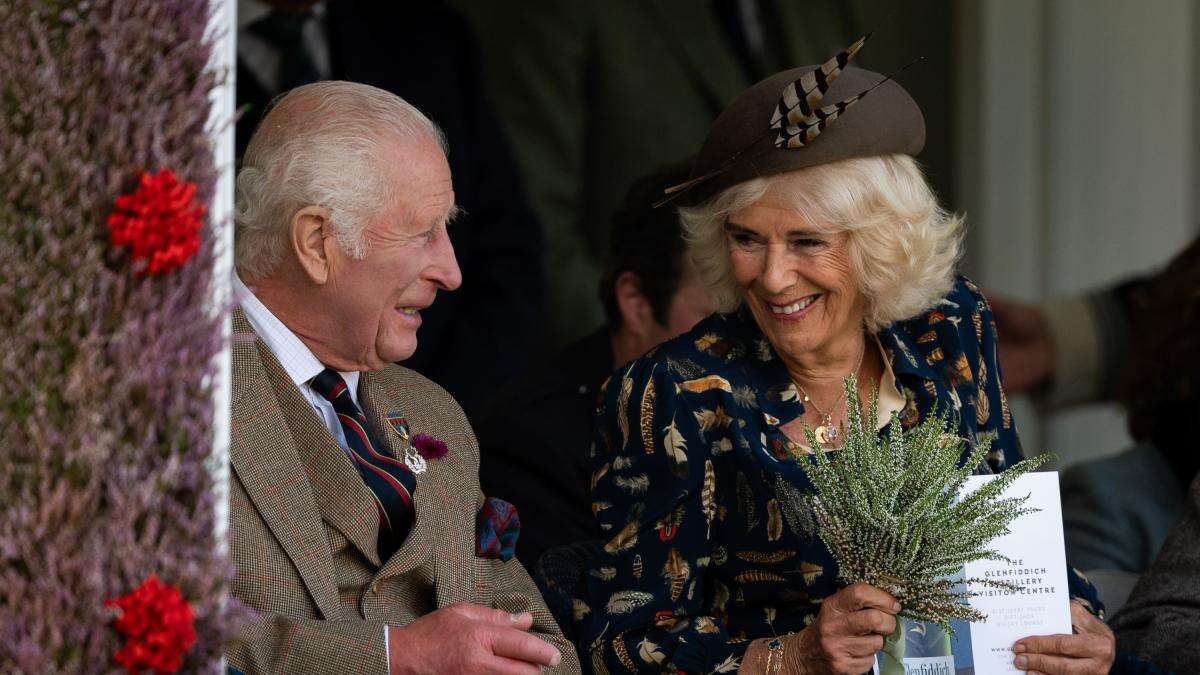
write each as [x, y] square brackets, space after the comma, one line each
[1090, 650]
[846, 633]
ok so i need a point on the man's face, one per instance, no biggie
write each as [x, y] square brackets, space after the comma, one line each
[688, 306]
[375, 302]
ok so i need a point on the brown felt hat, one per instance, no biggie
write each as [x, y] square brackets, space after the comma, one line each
[886, 121]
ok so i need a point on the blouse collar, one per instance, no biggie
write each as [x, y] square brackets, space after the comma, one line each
[777, 396]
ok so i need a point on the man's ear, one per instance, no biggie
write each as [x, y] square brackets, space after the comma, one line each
[637, 316]
[312, 243]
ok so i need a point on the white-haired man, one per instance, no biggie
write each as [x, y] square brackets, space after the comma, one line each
[359, 533]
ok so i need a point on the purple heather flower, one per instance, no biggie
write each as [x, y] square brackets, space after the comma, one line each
[106, 412]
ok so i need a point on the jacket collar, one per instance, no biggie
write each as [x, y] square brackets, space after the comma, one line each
[280, 493]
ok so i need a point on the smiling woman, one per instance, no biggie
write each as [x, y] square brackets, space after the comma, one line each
[828, 254]
[902, 246]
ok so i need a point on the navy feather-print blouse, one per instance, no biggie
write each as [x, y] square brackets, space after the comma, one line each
[701, 558]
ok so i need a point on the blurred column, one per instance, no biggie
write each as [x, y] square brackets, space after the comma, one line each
[1077, 159]
[221, 127]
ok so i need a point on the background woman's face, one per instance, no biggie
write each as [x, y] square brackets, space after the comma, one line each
[796, 280]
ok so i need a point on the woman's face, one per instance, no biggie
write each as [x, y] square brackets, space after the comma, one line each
[796, 280]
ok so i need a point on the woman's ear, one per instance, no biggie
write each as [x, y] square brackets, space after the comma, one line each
[637, 316]
[311, 242]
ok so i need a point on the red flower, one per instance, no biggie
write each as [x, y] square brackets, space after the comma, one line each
[159, 222]
[429, 447]
[158, 625]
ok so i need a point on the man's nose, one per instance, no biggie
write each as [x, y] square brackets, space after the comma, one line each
[444, 270]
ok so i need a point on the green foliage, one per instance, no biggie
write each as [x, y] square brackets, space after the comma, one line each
[888, 509]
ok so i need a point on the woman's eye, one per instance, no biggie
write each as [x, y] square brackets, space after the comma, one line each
[742, 239]
[807, 243]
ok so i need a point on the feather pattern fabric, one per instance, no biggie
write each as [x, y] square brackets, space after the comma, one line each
[766, 557]
[622, 652]
[623, 408]
[677, 571]
[774, 520]
[625, 539]
[650, 653]
[625, 602]
[708, 494]
[676, 448]
[761, 570]
[745, 501]
[646, 422]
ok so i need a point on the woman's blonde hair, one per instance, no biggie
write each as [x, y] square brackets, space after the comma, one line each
[903, 247]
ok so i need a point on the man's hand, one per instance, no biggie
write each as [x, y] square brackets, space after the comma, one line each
[1090, 651]
[1026, 346]
[465, 638]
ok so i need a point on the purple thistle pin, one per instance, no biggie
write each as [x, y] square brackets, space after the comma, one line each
[429, 447]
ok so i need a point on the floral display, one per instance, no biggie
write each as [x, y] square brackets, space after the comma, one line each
[158, 625]
[107, 400]
[159, 223]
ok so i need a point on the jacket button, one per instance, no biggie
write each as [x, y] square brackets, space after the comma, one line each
[375, 588]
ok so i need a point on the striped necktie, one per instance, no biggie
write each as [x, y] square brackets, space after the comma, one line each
[391, 482]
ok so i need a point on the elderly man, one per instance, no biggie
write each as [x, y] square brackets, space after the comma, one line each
[357, 526]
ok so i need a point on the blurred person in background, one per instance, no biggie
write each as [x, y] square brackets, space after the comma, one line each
[1114, 344]
[482, 334]
[536, 437]
[1161, 620]
[594, 92]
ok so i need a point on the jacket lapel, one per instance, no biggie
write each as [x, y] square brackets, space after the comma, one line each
[263, 455]
[693, 34]
[378, 401]
[344, 500]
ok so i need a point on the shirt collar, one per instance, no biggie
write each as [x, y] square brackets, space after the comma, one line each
[297, 359]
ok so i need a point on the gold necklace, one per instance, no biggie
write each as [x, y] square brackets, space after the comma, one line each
[826, 432]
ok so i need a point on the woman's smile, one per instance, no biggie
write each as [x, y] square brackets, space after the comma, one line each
[793, 311]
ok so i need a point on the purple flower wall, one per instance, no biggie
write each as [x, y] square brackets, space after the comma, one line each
[105, 377]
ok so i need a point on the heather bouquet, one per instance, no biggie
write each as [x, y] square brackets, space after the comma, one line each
[890, 511]
[108, 339]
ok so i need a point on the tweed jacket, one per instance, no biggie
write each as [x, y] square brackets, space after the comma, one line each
[303, 527]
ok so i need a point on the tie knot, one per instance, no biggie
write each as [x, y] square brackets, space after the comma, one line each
[329, 384]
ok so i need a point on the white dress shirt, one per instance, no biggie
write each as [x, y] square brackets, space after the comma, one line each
[295, 357]
[301, 366]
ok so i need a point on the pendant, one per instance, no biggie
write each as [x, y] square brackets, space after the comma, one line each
[414, 461]
[822, 434]
[826, 433]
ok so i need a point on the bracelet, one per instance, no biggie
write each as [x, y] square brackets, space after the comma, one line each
[775, 647]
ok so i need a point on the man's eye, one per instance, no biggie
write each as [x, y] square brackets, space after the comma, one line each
[742, 239]
[808, 243]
